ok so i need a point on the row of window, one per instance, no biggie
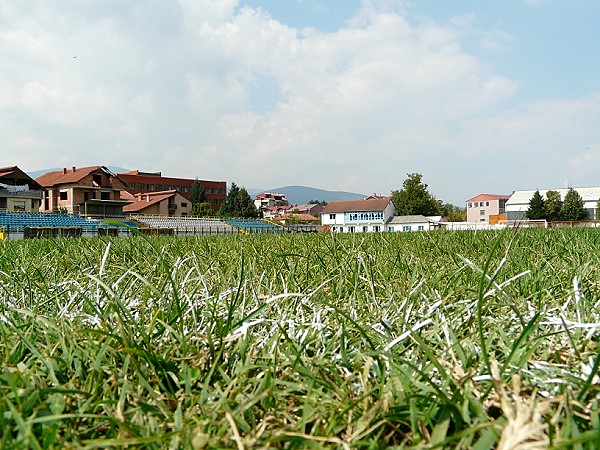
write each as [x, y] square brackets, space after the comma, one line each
[169, 187]
[478, 204]
[376, 228]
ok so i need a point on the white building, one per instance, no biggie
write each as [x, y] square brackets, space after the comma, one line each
[413, 223]
[518, 203]
[367, 215]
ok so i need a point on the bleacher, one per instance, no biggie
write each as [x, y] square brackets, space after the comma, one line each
[186, 225]
[16, 221]
[254, 226]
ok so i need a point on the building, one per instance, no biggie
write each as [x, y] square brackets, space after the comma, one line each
[481, 207]
[90, 191]
[18, 191]
[413, 223]
[367, 215]
[266, 200]
[142, 182]
[518, 203]
[164, 203]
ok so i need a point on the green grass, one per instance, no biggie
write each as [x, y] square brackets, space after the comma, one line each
[424, 340]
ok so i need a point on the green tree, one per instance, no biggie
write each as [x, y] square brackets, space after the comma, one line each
[572, 208]
[452, 212]
[537, 207]
[553, 205]
[414, 198]
[202, 210]
[238, 204]
[197, 194]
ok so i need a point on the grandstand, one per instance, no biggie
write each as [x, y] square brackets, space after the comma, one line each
[186, 225]
[254, 226]
[18, 221]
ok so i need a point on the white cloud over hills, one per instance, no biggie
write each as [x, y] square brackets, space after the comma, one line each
[222, 91]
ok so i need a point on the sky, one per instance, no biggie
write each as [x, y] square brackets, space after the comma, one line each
[478, 96]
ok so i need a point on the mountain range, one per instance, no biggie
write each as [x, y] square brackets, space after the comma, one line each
[304, 194]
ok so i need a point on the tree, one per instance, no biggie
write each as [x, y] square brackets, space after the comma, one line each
[317, 202]
[197, 194]
[597, 212]
[414, 198]
[202, 210]
[453, 213]
[238, 203]
[537, 207]
[553, 205]
[572, 208]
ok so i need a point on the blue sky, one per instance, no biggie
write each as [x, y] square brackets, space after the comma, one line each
[478, 96]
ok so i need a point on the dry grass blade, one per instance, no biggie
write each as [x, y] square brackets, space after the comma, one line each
[524, 430]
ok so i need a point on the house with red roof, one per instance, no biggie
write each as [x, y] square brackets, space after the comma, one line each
[165, 203]
[367, 215]
[482, 206]
[89, 191]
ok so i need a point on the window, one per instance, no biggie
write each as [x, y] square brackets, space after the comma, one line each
[184, 204]
[487, 203]
[469, 204]
[105, 195]
[64, 195]
[376, 228]
[350, 229]
[131, 185]
[141, 186]
[96, 180]
[390, 228]
[365, 229]
[406, 228]
[331, 216]
[482, 212]
[150, 187]
[19, 205]
[184, 189]
[421, 228]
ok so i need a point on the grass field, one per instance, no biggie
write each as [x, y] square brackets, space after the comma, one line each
[427, 340]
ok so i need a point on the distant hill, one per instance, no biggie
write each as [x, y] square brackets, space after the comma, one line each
[37, 173]
[304, 194]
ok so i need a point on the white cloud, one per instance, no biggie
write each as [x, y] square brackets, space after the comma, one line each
[171, 87]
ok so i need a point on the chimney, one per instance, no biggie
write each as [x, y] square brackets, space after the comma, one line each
[147, 198]
[64, 170]
[73, 169]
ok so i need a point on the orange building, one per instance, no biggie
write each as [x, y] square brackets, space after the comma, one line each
[146, 182]
[93, 190]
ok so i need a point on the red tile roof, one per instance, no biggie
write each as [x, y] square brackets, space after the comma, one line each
[484, 197]
[67, 176]
[142, 201]
[368, 204]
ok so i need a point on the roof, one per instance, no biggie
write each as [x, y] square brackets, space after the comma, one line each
[68, 176]
[410, 219]
[15, 176]
[142, 201]
[484, 197]
[302, 217]
[368, 204]
[588, 194]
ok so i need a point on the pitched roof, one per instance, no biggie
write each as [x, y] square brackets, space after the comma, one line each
[588, 194]
[410, 219]
[14, 175]
[66, 176]
[142, 201]
[368, 204]
[484, 197]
